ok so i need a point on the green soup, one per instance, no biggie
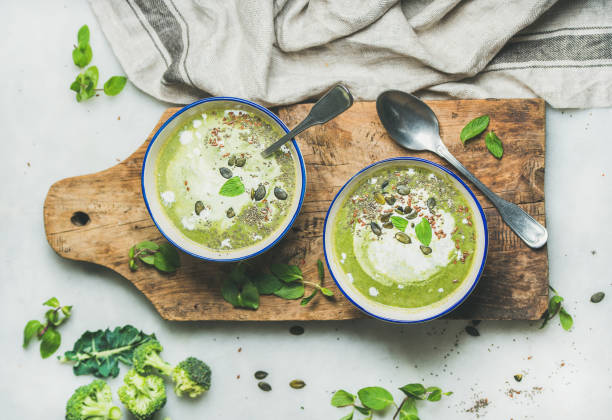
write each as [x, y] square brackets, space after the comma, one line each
[215, 186]
[388, 264]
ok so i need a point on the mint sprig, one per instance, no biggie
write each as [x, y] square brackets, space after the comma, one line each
[494, 145]
[232, 187]
[474, 128]
[423, 232]
[46, 332]
[163, 257]
[555, 307]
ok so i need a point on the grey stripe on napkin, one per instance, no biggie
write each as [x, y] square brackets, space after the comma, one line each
[286, 51]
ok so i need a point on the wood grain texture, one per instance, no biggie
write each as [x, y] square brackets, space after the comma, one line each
[515, 280]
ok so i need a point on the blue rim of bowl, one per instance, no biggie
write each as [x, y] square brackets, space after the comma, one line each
[484, 256]
[267, 112]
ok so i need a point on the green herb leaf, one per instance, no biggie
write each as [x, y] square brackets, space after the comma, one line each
[83, 36]
[363, 410]
[267, 284]
[99, 352]
[114, 85]
[474, 128]
[82, 56]
[566, 319]
[67, 310]
[31, 330]
[349, 416]
[321, 271]
[230, 292]
[131, 253]
[92, 74]
[423, 231]
[448, 394]
[308, 298]
[52, 316]
[326, 291]
[435, 394]
[408, 410]
[293, 290]
[249, 296]
[147, 259]
[50, 342]
[342, 398]
[167, 258]
[76, 86]
[133, 265]
[494, 144]
[399, 222]
[146, 245]
[375, 397]
[414, 390]
[232, 187]
[286, 273]
[53, 302]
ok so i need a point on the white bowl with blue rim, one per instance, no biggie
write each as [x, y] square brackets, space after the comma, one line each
[154, 206]
[391, 313]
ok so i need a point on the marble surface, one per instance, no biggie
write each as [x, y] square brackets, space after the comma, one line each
[47, 136]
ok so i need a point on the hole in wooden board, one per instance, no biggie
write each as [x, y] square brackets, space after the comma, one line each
[79, 218]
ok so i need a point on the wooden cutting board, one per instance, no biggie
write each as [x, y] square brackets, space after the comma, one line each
[515, 280]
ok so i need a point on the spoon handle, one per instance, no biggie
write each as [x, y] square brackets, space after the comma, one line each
[337, 100]
[525, 226]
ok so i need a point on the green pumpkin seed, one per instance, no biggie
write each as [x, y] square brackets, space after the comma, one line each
[380, 199]
[260, 193]
[264, 386]
[375, 229]
[260, 374]
[597, 297]
[230, 212]
[231, 161]
[280, 193]
[403, 189]
[199, 206]
[226, 172]
[399, 210]
[431, 203]
[252, 193]
[425, 249]
[297, 384]
[240, 161]
[384, 185]
[410, 214]
[518, 377]
[403, 238]
[385, 217]
[390, 200]
[388, 225]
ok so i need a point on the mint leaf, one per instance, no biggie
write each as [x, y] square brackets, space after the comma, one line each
[267, 284]
[414, 390]
[349, 416]
[321, 271]
[250, 296]
[308, 298]
[408, 410]
[147, 259]
[82, 56]
[147, 245]
[474, 128]
[232, 187]
[286, 272]
[230, 292]
[342, 398]
[294, 290]
[363, 410]
[326, 291]
[114, 85]
[375, 397]
[423, 231]
[494, 144]
[53, 302]
[83, 36]
[31, 330]
[435, 394]
[399, 222]
[566, 319]
[50, 342]
[92, 74]
[167, 258]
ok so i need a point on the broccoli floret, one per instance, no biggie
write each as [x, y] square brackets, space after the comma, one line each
[147, 359]
[92, 402]
[191, 376]
[142, 395]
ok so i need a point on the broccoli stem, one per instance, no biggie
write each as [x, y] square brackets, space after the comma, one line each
[93, 408]
[154, 360]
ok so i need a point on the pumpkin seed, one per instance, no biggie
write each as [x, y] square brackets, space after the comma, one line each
[388, 225]
[385, 217]
[260, 193]
[431, 203]
[403, 189]
[296, 330]
[518, 377]
[280, 193]
[403, 238]
[240, 161]
[410, 215]
[399, 210]
[384, 185]
[597, 297]
[230, 212]
[260, 374]
[380, 199]
[232, 160]
[375, 229]
[297, 384]
[199, 206]
[226, 172]
[390, 200]
[425, 250]
[472, 331]
[252, 193]
[264, 386]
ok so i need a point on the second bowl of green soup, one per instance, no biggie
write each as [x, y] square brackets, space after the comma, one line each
[405, 240]
[209, 190]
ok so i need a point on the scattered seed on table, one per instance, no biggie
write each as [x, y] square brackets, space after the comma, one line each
[264, 386]
[518, 377]
[597, 297]
[472, 331]
[260, 374]
[297, 384]
[296, 330]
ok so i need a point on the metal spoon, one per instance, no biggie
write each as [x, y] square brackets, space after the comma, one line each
[412, 124]
[337, 100]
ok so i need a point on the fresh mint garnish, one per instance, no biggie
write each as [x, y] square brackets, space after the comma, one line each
[555, 307]
[474, 128]
[163, 257]
[494, 144]
[399, 222]
[47, 333]
[423, 232]
[82, 54]
[232, 187]
[114, 85]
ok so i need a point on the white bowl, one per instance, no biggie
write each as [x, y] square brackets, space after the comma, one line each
[149, 185]
[391, 313]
